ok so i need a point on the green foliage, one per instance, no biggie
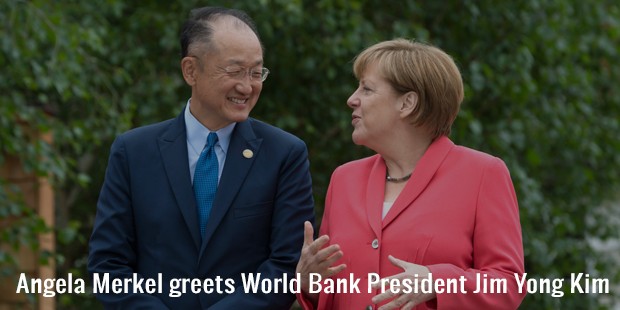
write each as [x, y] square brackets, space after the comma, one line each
[540, 81]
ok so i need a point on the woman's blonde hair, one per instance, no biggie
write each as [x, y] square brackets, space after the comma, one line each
[423, 69]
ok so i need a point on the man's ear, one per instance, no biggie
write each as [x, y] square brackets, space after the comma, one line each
[408, 103]
[189, 67]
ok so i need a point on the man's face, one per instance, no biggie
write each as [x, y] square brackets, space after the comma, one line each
[223, 89]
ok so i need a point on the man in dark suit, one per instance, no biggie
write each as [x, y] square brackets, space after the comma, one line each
[151, 209]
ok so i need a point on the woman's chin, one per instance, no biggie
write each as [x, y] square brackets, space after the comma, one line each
[357, 139]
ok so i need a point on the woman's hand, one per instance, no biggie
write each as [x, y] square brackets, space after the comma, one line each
[400, 300]
[317, 259]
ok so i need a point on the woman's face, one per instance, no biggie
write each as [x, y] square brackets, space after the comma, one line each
[375, 108]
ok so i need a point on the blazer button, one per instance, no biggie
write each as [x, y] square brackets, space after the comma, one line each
[368, 307]
[375, 244]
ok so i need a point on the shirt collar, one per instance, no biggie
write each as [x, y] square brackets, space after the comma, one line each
[197, 133]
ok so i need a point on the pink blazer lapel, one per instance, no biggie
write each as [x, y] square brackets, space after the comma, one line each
[375, 192]
[421, 177]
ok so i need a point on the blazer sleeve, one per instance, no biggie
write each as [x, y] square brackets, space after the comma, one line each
[293, 206]
[497, 247]
[324, 301]
[112, 242]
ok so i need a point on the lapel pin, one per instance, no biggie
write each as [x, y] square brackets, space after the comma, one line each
[247, 153]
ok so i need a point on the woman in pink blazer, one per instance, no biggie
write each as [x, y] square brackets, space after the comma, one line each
[423, 223]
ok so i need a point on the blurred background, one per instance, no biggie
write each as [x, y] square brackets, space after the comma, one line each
[542, 93]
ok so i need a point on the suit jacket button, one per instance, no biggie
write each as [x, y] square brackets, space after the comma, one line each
[375, 244]
[368, 307]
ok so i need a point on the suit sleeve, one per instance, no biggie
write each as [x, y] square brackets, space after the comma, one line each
[498, 247]
[325, 299]
[113, 242]
[293, 206]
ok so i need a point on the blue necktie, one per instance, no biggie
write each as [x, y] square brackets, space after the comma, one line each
[205, 181]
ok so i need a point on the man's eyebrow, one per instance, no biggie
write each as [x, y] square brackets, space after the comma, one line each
[240, 63]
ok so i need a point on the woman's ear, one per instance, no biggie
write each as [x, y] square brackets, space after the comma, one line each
[408, 104]
[189, 67]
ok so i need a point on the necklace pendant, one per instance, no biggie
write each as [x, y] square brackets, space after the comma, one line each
[397, 180]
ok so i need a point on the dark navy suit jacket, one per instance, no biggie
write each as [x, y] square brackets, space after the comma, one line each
[147, 222]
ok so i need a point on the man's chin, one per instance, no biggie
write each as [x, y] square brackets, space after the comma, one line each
[240, 118]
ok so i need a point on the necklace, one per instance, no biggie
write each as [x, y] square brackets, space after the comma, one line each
[397, 180]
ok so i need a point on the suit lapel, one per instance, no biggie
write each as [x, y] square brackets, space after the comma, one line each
[173, 148]
[235, 170]
[375, 193]
[421, 177]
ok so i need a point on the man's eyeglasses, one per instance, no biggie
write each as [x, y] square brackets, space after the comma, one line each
[239, 73]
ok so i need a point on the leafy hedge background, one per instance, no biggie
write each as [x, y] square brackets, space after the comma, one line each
[541, 82]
